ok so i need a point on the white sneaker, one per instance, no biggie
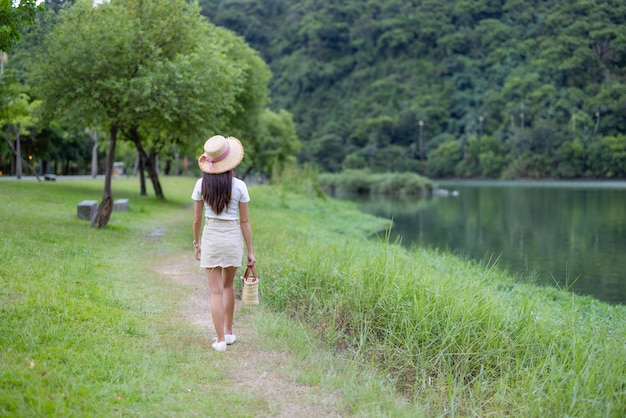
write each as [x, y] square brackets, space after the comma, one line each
[230, 338]
[219, 346]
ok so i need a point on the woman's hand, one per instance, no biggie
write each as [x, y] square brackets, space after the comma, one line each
[197, 251]
[251, 260]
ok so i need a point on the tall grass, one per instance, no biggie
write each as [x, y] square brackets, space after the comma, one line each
[459, 337]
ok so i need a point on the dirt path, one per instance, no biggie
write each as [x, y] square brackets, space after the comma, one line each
[250, 365]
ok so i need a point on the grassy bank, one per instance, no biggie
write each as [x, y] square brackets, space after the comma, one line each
[455, 336]
[88, 328]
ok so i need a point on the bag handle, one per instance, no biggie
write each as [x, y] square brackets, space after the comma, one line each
[247, 273]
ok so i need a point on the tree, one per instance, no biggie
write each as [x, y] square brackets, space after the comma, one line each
[146, 69]
[279, 144]
[442, 161]
[195, 99]
[90, 58]
[186, 97]
[608, 156]
[95, 136]
[56, 5]
[13, 19]
[18, 115]
[246, 119]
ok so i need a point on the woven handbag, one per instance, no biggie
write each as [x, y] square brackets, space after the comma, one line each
[250, 287]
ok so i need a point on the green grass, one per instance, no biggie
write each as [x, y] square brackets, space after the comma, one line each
[88, 328]
[456, 337]
[83, 318]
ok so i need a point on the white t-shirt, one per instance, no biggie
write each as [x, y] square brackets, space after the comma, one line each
[239, 194]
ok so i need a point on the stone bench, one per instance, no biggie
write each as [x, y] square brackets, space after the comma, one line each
[50, 177]
[120, 205]
[87, 209]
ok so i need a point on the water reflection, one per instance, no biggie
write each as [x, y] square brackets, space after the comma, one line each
[557, 233]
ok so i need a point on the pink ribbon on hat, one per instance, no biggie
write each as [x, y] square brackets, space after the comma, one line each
[216, 159]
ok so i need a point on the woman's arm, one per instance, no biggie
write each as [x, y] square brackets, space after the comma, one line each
[197, 225]
[246, 230]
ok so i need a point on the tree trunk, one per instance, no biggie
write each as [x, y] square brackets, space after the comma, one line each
[141, 159]
[94, 152]
[94, 160]
[142, 176]
[106, 206]
[30, 167]
[148, 164]
[18, 153]
[151, 167]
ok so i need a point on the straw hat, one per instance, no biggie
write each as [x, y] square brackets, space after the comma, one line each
[220, 154]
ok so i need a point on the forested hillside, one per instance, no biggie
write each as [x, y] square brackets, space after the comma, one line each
[472, 88]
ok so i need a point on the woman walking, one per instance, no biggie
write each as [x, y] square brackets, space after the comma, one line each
[223, 200]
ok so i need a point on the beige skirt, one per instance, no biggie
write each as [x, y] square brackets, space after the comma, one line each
[222, 244]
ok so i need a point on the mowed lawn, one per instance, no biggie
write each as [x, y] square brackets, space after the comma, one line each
[86, 325]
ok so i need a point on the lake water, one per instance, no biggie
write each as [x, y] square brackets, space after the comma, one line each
[565, 234]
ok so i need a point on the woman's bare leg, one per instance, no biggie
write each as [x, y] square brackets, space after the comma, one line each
[228, 298]
[216, 285]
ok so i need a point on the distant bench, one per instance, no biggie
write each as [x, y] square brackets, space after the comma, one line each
[87, 209]
[50, 177]
[120, 205]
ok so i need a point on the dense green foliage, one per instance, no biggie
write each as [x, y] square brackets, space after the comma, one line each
[14, 17]
[364, 182]
[472, 88]
[157, 74]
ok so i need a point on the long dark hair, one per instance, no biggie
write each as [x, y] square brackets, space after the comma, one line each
[217, 190]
